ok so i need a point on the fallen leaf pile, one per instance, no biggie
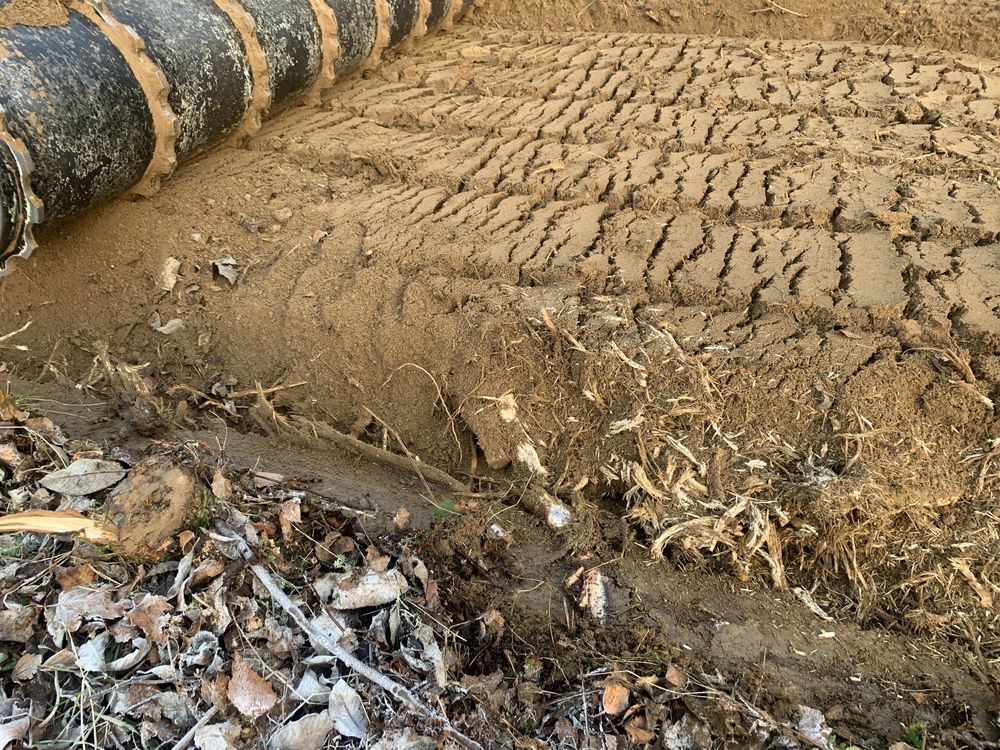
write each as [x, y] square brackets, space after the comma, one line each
[275, 619]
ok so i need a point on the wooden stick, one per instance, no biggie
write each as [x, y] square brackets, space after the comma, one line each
[184, 741]
[392, 687]
[786, 10]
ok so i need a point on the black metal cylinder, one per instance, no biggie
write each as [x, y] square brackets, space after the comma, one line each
[403, 17]
[357, 27]
[292, 42]
[439, 12]
[201, 53]
[70, 96]
[114, 97]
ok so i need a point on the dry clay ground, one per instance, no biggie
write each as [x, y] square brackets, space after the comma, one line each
[729, 302]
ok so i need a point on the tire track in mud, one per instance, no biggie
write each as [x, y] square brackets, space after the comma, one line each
[967, 26]
[892, 165]
[718, 174]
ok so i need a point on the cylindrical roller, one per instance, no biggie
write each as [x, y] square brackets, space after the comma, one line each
[69, 95]
[403, 17]
[290, 37]
[199, 49]
[357, 27]
[438, 14]
[114, 96]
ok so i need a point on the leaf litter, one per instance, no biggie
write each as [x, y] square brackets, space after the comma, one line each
[232, 627]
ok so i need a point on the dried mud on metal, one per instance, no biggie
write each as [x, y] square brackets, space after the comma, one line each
[621, 386]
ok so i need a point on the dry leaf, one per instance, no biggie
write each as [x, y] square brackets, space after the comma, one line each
[308, 733]
[202, 650]
[686, 733]
[347, 591]
[8, 409]
[249, 693]
[17, 624]
[223, 736]
[226, 268]
[291, 512]
[616, 698]
[78, 575]
[168, 276]
[10, 456]
[813, 725]
[60, 659]
[14, 731]
[84, 477]
[90, 656]
[676, 676]
[432, 652]
[311, 690]
[151, 615]
[494, 623]
[47, 429]
[185, 540]
[206, 569]
[347, 712]
[637, 731]
[171, 326]
[78, 604]
[222, 488]
[401, 521]
[334, 626]
[429, 658]
[26, 667]
[60, 522]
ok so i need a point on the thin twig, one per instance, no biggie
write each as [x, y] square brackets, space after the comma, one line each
[400, 693]
[440, 396]
[786, 10]
[12, 334]
[184, 741]
[266, 391]
[274, 423]
[419, 467]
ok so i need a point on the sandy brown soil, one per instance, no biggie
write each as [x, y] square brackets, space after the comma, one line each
[969, 27]
[32, 12]
[733, 301]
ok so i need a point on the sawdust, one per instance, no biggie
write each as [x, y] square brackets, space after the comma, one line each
[33, 13]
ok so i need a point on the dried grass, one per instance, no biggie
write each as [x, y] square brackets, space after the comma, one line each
[879, 515]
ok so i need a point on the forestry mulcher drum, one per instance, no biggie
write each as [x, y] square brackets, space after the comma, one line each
[110, 97]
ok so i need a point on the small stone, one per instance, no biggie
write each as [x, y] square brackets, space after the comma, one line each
[282, 215]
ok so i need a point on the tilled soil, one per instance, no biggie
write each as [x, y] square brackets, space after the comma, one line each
[738, 293]
[969, 27]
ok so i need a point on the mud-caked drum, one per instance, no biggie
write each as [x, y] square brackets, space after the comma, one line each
[69, 95]
[113, 97]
